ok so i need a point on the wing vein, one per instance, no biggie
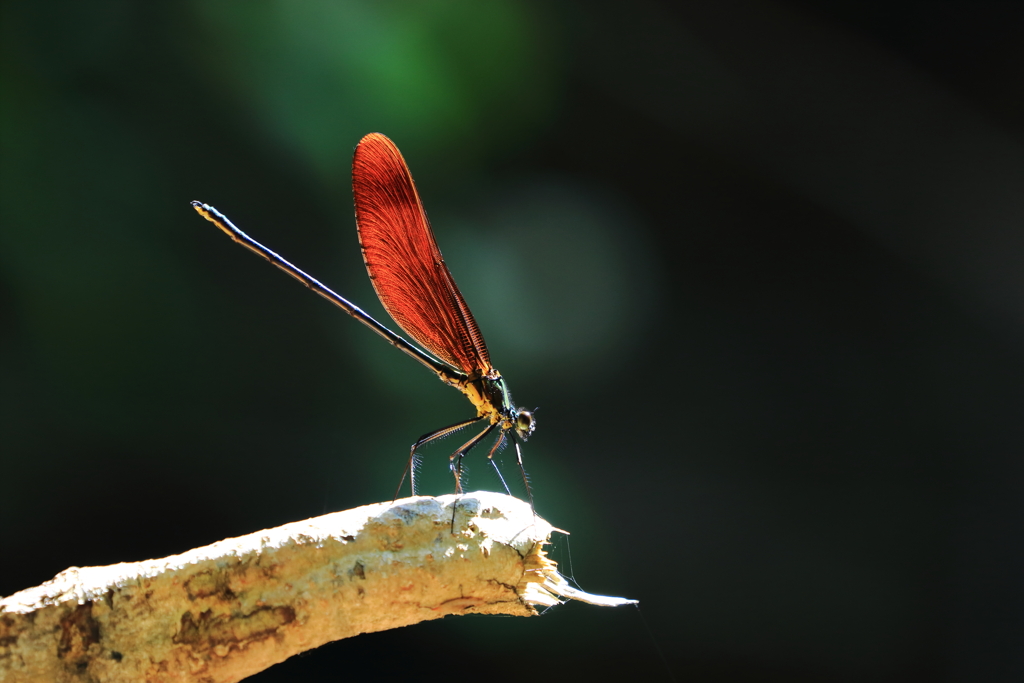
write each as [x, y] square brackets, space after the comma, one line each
[404, 263]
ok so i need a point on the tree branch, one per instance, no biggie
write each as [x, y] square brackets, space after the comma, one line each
[233, 608]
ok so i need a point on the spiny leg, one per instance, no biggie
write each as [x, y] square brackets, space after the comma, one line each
[425, 439]
[526, 480]
[456, 465]
[519, 460]
[456, 458]
[490, 457]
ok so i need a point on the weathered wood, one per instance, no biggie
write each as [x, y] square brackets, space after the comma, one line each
[238, 606]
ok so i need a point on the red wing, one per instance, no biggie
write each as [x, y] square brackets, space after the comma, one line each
[404, 263]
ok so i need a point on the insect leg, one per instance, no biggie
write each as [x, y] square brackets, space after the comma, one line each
[526, 480]
[490, 456]
[425, 439]
[456, 459]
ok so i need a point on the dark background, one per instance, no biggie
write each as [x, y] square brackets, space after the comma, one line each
[760, 265]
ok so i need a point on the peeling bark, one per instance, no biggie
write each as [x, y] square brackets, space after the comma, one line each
[238, 606]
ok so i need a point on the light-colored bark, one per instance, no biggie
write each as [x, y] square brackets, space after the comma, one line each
[231, 609]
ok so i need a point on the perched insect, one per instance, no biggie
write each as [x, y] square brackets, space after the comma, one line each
[419, 293]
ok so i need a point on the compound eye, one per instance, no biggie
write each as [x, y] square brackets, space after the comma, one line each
[525, 424]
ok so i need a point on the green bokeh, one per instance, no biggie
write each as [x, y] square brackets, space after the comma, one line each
[757, 264]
